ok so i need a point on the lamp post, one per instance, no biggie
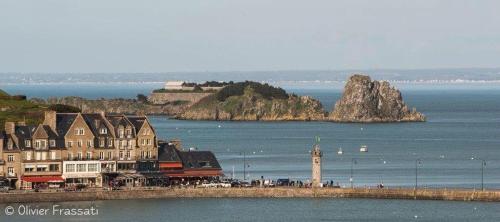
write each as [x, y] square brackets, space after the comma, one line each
[353, 161]
[417, 162]
[244, 166]
[483, 163]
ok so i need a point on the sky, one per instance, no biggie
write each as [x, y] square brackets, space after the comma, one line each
[84, 36]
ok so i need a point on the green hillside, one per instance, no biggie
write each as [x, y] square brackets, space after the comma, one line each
[18, 108]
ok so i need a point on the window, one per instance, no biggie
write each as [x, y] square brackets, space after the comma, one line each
[69, 144]
[52, 143]
[149, 141]
[28, 156]
[38, 155]
[101, 142]
[142, 154]
[128, 154]
[79, 131]
[143, 142]
[54, 167]
[10, 158]
[110, 155]
[27, 143]
[110, 142]
[41, 168]
[80, 167]
[121, 155]
[89, 155]
[89, 143]
[29, 168]
[120, 133]
[37, 144]
[103, 131]
[146, 132]
[92, 167]
[44, 155]
[80, 143]
[148, 154]
[79, 155]
[101, 155]
[70, 156]
[53, 155]
[43, 143]
[129, 132]
[70, 168]
[10, 170]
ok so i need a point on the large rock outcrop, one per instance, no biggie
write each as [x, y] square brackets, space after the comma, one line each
[253, 106]
[365, 100]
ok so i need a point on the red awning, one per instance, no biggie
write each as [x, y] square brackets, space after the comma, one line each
[43, 179]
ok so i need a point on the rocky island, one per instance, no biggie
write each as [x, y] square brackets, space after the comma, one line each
[252, 101]
[368, 101]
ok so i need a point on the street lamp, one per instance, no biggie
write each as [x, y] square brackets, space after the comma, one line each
[417, 162]
[353, 161]
[483, 163]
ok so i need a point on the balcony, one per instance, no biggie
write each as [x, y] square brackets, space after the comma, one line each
[41, 173]
[11, 174]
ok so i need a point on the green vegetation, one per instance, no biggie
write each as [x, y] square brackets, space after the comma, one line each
[16, 108]
[195, 90]
[61, 108]
[265, 90]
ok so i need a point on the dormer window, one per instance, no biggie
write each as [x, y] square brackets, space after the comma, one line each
[103, 131]
[27, 143]
[40, 144]
[120, 133]
[52, 143]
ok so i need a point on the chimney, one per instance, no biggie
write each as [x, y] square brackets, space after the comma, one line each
[50, 119]
[10, 127]
[177, 144]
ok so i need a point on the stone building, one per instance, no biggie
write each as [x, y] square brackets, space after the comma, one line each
[316, 155]
[76, 148]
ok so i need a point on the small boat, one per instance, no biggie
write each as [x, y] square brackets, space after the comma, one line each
[363, 149]
[340, 152]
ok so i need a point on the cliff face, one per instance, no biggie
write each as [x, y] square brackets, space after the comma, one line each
[252, 106]
[365, 100]
[126, 106]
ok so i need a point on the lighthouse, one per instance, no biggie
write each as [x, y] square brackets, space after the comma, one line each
[316, 155]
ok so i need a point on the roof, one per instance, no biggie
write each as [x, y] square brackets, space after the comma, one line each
[24, 133]
[168, 153]
[96, 121]
[64, 122]
[137, 121]
[199, 160]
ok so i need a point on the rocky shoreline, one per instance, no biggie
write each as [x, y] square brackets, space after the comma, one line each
[363, 101]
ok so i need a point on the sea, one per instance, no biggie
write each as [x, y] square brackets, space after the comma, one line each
[458, 147]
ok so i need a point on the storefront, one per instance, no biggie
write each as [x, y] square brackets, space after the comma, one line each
[41, 182]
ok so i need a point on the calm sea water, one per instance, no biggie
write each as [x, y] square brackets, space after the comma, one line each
[292, 210]
[462, 128]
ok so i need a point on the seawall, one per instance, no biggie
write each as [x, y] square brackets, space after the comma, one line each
[163, 98]
[423, 194]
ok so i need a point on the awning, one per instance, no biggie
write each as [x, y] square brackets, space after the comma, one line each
[43, 179]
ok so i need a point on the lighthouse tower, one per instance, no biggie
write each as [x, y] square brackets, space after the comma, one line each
[316, 155]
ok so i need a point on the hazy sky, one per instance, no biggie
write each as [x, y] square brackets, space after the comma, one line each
[227, 35]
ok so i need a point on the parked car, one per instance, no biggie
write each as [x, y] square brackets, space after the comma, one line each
[269, 183]
[283, 182]
[207, 184]
[245, 184]
[224, 184]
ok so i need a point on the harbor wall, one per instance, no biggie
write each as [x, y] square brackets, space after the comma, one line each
[424, 194]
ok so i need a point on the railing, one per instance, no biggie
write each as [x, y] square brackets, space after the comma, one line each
[11, 174]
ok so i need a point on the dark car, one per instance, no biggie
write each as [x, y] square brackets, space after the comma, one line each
[283, 182]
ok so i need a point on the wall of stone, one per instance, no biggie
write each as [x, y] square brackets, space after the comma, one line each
[423, 194]
[162, 98]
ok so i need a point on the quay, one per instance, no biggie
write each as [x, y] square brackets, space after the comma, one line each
[277, 192]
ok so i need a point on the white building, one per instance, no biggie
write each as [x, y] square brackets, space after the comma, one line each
[174, 85]
[82, 172]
